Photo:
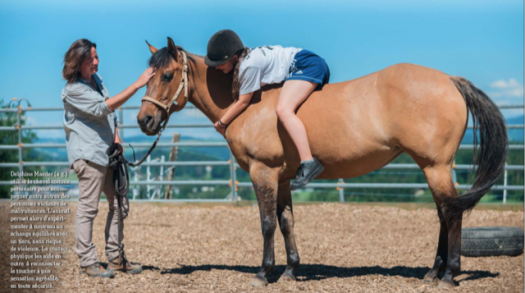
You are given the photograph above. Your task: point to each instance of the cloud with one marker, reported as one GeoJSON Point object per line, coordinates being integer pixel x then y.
{"type": "Point", "coordinates": [502, 84]}
{"type": "Point", "coordinates": [506, 89]}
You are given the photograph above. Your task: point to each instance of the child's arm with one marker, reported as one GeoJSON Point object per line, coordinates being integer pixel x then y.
{"type": "Point", "coordinates": [233, 111]}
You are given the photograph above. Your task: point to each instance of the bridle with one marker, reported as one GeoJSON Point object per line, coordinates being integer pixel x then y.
{"type": "Point", "coordinates": [183, 86]}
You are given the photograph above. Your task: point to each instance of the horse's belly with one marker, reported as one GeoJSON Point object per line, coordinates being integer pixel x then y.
{"type": "Point", "coordinates": [353, 153]}
{"type": "Point", "coordinates": [356, 163]}
{"type": "Point", "coordinates": [350, 137]}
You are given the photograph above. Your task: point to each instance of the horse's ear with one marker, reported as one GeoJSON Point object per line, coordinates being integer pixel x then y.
{"type": "Point", "coordinates": [151, 48]}
{"type": "Point", "coordinates": [172, 49]}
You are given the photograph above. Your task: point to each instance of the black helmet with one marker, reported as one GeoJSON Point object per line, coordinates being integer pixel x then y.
{"type": "Point", "coordinates": [222, 46]}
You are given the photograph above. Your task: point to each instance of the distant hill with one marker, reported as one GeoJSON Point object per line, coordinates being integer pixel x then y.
{"type": "Point", "coordinates": [515, 135]}
{"type": "Point", "coordinates": [223, 153]}
{"type": "Point", "coordinates": [515, 120]}
{"type": "Point", "coordinates": [220, 153]}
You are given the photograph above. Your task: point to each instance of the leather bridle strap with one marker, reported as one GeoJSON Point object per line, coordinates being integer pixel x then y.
{"type": "Point", "coordinates": [166, 108]}
{"type": "Point", "coordinates": [183, 85]}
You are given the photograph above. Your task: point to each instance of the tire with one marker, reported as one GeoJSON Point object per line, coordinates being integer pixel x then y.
{"type": "Point", "coordinates": [491, 241]}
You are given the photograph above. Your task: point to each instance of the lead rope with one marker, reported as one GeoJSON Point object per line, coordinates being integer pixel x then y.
{"type": "Point", "coordinates": [120, 165]}
{"type": "Point", "coordinates": [166, 108]}
{"type": "Point", "coordinates": [121, 183]}
{"type": "Point", "coordinates": [121, 253]}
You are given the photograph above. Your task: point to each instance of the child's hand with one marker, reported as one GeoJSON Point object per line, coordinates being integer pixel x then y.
{"type": "Point", "coordinates": [220, 129]}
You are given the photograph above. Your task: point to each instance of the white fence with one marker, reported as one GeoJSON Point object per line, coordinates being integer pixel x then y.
{"type": "Point", "coordinates": [154, 185]}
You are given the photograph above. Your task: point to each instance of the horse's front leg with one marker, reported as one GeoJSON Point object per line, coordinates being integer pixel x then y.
{"type": "Point", "coordinates": [265, 183]}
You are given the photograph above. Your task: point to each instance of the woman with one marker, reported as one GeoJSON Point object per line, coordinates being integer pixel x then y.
{"type": "Point", "coordinates": [89, 123]}
{"type": "Point", "coordinates": [302, 71]}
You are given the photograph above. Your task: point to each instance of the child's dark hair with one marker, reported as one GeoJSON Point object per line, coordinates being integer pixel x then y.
{"type": "Point", "coordinates": [235, 85]}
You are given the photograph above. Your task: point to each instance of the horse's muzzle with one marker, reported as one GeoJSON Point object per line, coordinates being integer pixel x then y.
{"type": "Point", "coordinates": [149, 125]}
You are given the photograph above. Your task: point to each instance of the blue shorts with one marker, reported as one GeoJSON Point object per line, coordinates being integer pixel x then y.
{"type": "Point", "coordinates": [310, 67]}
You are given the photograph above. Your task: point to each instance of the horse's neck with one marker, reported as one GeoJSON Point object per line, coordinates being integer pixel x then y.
{"type": "Point", "coordinates": [211, 91]}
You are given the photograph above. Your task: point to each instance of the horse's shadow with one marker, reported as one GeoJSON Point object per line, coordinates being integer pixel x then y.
{"type": "Point", "coordinates": [307, 272]}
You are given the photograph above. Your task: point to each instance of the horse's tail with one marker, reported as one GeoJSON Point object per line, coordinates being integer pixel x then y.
{"type": "Point", "coordinates": [493, 147]}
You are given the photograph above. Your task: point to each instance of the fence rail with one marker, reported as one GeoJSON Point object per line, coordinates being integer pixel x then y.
{"type": "Point", "coordinates": [233, 183]}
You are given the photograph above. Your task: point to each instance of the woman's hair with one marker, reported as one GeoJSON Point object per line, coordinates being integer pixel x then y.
{"type": "Point", "coordinates": [235, 85]}
{"type": "Point", "coordinates": [74, 58]}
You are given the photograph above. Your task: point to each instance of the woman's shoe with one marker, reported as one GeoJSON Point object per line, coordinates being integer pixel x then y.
{"type": "Point", "coordinates": [96, 270]}
{"type": "Point", "coordinates": [122, 264]}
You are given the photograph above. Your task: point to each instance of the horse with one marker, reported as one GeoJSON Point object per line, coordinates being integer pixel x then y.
{"type": "Point", "coordinates": [354, 127]}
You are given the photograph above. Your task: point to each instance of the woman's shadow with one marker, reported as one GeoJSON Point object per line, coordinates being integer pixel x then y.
{"type": "Point", "coordinates": [307, 272]}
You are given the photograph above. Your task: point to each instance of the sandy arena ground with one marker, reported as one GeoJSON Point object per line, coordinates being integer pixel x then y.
{"type": "Point", "coordinates": [343, 248]}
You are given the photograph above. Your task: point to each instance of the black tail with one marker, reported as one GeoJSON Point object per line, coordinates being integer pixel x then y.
{"type": "Point", "coordinates": [493, 146]}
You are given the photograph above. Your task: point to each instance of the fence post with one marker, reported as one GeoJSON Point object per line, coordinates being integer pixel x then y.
{"type": "Point", "coordinates": [120, 123]}
{"type": "Point", "coordinates": [20, 160]}
{"type": "Point", "coordinates": [136, 179]}
{"type": "Point", "coordinates": [341, 191]}
{"type": "Point", "coordinates": [148, 178]}
{"type": "Point", "coordinates": [233, 177]}
{"type": "Point", "coordinates": [454, 175]}
{"type": "Point", "coordinates": [171, 171]}
{"type": "Point", "coordinates": [505, 176]}
{"type": "Point", "coordinates": [161, 177]}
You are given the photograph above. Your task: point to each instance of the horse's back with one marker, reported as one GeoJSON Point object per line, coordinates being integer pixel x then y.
{"type": "Point", "coordinates": [357, 126]}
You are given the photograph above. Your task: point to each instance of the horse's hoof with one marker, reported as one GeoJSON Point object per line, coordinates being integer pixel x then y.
{"type": "Point", "coordinates": [259, 281]}
{"type": "Point", "coordinates": [447, 285]}
{"type": "Point", "coordinates": [430, 279]}
{"type": "Point", "coordinates": [285, 277]}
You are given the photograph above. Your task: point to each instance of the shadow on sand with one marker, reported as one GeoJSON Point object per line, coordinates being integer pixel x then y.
{"type": "Point", "coordinates": [307, 272]}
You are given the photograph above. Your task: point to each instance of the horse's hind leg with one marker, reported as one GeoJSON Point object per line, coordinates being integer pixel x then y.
{"type": "Point", "coordinates": [449, 248]}
{"type": "Point", "coordinates": [286, 222]}
{"type": "Point", "coordinates": [265, 183]}
{"type": "Point", "coordinates": [440, 262]}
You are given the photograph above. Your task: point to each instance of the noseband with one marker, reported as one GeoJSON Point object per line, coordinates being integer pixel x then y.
{"type": "Point", "coordinates": [183, 85]}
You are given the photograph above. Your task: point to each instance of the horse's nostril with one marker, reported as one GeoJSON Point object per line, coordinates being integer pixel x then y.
{"type": "Point", "coordinates": [148, 121]}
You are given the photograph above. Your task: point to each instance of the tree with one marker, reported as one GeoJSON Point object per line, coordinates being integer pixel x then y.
{"type": "Point", "coordinates": [11, 138]}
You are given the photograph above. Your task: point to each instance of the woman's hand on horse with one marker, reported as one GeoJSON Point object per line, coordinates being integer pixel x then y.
{"type": "Point", "coordinates": [220, 129]}
{"type": "Point", "coordinates": [145, 77]}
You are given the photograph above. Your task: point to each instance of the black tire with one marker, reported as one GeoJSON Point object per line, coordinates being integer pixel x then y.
{"type": "Point", "coordinates": [491, 241]}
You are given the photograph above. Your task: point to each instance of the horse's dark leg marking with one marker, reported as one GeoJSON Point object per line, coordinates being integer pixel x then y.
{"type": "Point", "coordinates": [286, 222]}
{"type": "Point", "coordinates": [440, 262]}
{"type": "Point", "coordinates": [454, 251]}
{"type": "Point", "coordinates": [449, 248]}
{"type": "Point", "coordinates": [265, 184]}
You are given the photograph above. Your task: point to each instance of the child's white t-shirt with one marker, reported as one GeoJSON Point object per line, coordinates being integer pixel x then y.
{"type": "Point", "coordinates": [264, 65]}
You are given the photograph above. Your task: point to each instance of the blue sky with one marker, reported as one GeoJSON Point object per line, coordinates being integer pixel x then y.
{"type": "Point", "coordinates": [479, 40]}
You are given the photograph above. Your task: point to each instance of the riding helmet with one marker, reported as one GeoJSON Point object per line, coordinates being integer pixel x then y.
{"type": "Point", "coordinates": [222, 46]}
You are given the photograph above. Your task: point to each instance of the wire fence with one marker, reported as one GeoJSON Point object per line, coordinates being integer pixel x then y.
{"type": "Point", "coordinates": [153, 187]}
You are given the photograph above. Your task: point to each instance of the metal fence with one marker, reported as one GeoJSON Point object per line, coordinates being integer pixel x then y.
{"type": "Point", "coordinates": [232, 182]}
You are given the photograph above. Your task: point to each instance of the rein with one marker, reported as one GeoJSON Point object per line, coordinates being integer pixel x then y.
{"type": "Point", "coordinates": [120, 165]}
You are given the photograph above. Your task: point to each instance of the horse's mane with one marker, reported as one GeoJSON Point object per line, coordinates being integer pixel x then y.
{"type": "Point", "coordinates": [162, 58]}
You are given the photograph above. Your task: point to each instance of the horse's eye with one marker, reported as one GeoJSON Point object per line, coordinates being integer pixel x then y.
{"type": "Point", "coordinates": [167, 77]}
